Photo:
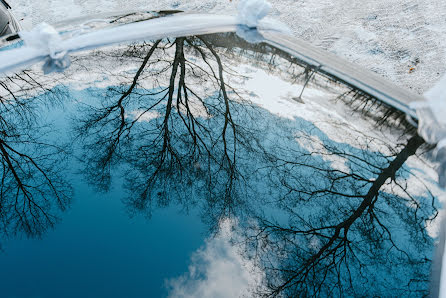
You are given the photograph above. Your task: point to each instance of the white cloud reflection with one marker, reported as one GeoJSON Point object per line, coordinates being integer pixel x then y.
{"type": "Point", "coordinates": [218, 269]}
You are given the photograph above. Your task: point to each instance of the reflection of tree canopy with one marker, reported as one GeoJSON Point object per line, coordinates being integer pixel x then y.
{"type": "Point", "coordinates": [31, 189]}
{"type": "Point", "coordinates": [186, 134]}
{"type": "Point", "coordinates": [323, 217]}
{"type": "Point", "coordinates": [172, 122]}
{"type": "Point", "coordinates": [345, 228]}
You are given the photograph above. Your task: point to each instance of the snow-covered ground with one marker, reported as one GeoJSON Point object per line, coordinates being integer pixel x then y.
{"type": "Point", "coordinates": [403, 40]}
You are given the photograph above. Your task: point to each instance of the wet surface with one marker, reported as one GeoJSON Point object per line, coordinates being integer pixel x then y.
{"type": "Point", "coordinates": [175, 166]}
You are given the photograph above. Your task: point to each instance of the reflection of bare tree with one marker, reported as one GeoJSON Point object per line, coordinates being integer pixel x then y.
{"type": "Point", "coordinates": [31, 189]}
{"type": "Point", "coordinates": [329, 249]}
{"type": "Point", "coordinates": [159, 124]}
{"type": "Point", "coordinates": [181, 132]}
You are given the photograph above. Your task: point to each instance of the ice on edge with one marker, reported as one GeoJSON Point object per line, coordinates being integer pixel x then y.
{"type": "Point", "coordinates": [47, 41]}
{"type": "Point", "coordinates": [45, 38]}
{"type": "Point", "coordinates": [432, 123]}
{"type": "Point", "coordinates": [250, 12]}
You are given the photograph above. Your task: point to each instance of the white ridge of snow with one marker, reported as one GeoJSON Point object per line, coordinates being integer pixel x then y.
{"type": "Point", "coordinates": [402, 40]}
{"type": "Point", "coordinates": [432, 123]}
{"type": "Point", "coordinates": [44, 41]}
{"type": "Point", "coordinates": [250, 12]}
{"type": "Point", "coordinates": [44, 38]}
{"type": "Point", "coordinates": [249, 15]}
{"type": "Point", "coordinates": [436, 104]}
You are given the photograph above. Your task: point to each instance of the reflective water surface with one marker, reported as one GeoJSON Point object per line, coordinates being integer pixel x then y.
{"type": "Point", "coordinates": [206, 166]}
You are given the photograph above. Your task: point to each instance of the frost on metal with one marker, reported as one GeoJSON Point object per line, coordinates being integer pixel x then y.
{"type": "Point", "coordinates": [432, 123]}
{"type": "Point", "coordinates": [47, 41]}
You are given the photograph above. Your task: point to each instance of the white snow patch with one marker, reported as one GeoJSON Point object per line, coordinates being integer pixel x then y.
{"type": "Point", "coordinates": [278, 96]}
{"type": "Point", "coordinates": [250, 12]}
{"type": "Point", "coordinates": [45, 38]}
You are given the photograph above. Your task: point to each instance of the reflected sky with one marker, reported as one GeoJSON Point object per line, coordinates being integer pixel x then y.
{"type": "Point", "coordinates": [181, 165]}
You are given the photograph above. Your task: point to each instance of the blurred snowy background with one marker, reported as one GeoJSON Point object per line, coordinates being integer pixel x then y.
{"type": "Point", "coordinates": [404, 41]}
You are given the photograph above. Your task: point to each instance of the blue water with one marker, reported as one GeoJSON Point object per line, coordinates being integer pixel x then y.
{"type": "Point", "coordinates": [98, 249]}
